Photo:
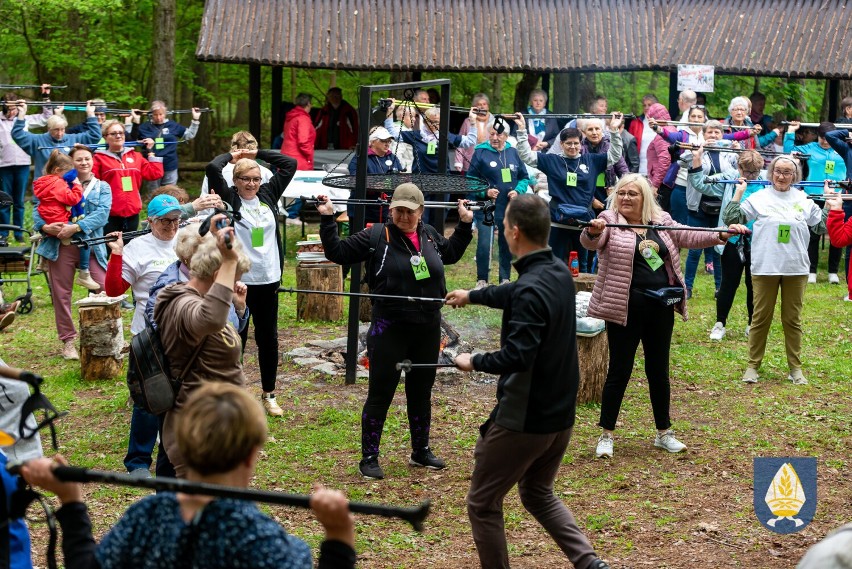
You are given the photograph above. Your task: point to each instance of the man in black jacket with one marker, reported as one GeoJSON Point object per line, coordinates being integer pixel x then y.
{"type": "Point", "coordinates": [536, 392]}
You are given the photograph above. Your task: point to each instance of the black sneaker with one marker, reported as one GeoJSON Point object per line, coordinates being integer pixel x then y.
{"type": "Point", "coordinates": [424, 457]}
{"type": "Point", "coordinates": [369, 467]}
{"type": "Point", "coordinates": [599, 564]}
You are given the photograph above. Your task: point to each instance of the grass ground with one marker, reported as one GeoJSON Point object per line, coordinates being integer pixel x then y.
{"type": "Point", "coordinates": [644, 508]}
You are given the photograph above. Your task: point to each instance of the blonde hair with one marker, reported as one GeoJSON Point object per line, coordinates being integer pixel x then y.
{"type": "Point", "coordinates": [207, 259]}
{"type": "Point", "coordinates": [244, 165]}
{"type": "Point", "coordinates": [770, 171]}
{"type": "Point", "coordinates": [56, 121]}
{"type": "Point", "coordinates": [187, 242]}
{"type": "Point", "coordinates": [108, 124]}
{"type": "Point", "coordinates": [243, 140]}
{"type": "Point", "coordinates": [58, 160]}
{"type": "Point", "coordinates": [651, 210]}
{"type": "Point", "coordinates": [173, 190]}
{"type": "Point", "coordinates": [219, 427]}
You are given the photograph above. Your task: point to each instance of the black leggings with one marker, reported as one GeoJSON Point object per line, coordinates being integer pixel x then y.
{"type": "Point", "coordinates": [732, 271]}
{"type": "Point", "coordinates": [262, 301]}
{"type": "Point", "coordinates": [387, 344]}
{"type": "Point", "coordinates": [834, 254]}
{"type": "Point", "coordinates": [652, 324]}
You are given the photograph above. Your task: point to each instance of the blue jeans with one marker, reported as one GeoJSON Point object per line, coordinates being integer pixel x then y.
{"type": "Point", "coordinates": [143, 436]}
{"type": "Point", "coordinates": [677, 204]}
{"type": "Point", "coordinates": [484, 241]}
{"type": "Point", "coordinates": [13, 181]}
{"type": "Point", "coordinates": [700, 219]}
{"type": "Point", "coordinates": [562, 241]}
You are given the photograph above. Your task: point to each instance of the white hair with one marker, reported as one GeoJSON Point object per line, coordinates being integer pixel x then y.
{"type": "Point", "coordinates": [739, 102]}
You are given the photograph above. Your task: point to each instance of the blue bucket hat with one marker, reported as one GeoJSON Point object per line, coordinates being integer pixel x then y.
{"type": "Point", "coordinates": [162, 205]}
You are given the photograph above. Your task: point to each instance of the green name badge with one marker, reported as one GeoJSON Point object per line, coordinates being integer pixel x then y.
{"type": "Point", "coordinates": [256, 237]}
{"type": "Point", "coordinates": [571, 179]}
{"type": "Point", "coordinates": [601, 180]}
{"type": "Point", "coordinates": [829, 166]}
{"type": "Point", "coordinates": [421, 270]}
{"type": "Point", "coordinates": [507, 175]}
{"type": "Point", "coordinates": [431, 147]}
{"type": "Point", "coordinates": [159, 143]}
{"type": "Point", "coordinates": [783, 233]}
{"type": "Point", "coordinates": [653, 259]}
{"type": "Point", "coordinates": [126, 184]}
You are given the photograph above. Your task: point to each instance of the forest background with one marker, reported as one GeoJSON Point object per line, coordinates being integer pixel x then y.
{"type": "Point", "coordinates": [133, 52]}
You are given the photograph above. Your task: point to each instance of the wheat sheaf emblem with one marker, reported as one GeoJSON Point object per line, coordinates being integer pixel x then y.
{"type": "Point", "coordinates": [785, 496]}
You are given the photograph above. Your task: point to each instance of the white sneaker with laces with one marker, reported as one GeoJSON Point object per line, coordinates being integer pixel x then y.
{"type": "Point", "coordinates": [797, 377]}
{"type": "Point", "coordinates": [812, 278]}
{"type": "Point", "coordinates": [833, 278]}
{"type": "Point", "coordinates": [718, 331]}
{"type": "Point", "coordinates": [480, 284]}
{"type": "Point", "coordinates": [668, 442]}
{"type": "Point", "coordinates": [271, 405]}
{"type": "Point", "coordinates": [604, 448]}
{"type": "Point", "coordinates": [750, 375]}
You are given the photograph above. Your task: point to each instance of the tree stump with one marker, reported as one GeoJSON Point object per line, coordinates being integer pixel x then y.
{"type": "Point", "coordinates": [593, 354]}
{"type": "Point", "coordinates": [585, 282]}
{"type": "Point", "coordinates": [101, 341]}
{"type": "Point", "coordinates": [323, 276]}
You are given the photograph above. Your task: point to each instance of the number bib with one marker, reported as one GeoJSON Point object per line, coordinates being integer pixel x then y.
{"type": "Point", "coordinates": [571, 179]}
{"type": "Point", "coordinates": [159, 143]}
{"type": "Point", "coordinates": [431, 147]}
{"type": "Point", "coordinates": [783, 233]}
{"type": "Point", "coordinates": [652, 258]}
{"type": "Point", "coordinates": [507, 175]}
{"type": "Point", "coordinates": [256, 237]}
{"type": "Point", "coordinates": [126, 184]}
{"type": "Point", "coordinates": [421, 270]}
{"type": "Point", "coordinates": [829, 166]}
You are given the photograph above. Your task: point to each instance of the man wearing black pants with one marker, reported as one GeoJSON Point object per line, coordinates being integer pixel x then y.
{"type": "Point", "coordinates": [536, 392]}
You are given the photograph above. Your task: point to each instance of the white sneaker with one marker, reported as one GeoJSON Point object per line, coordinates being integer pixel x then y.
{"type": "Point", "coordinates": [747, 329]}
{"type": "Point", "coordinates": [833, 278]}
{"type": "Point", "coordinates": [480, 284]}
{"type": "Point", "coordinates": [847, 299]}
{"type": "Point", "coordinates": [604, 448]}
{"type": "Point", "coordinates": [797, 377]}
{"type": "Point", "coordinates": [271, 406]}
{"type": "Point", "coordinates": [750, 375]}
{"type": "Point", "coordinates": [718, 331]}
{"type": "Point", "coordinates": [505, 281]}
{"type": "Point", "coordinates": [812, 278]}
{"type": "Point", "coordinates": [668, 441]}
{"type": "Point", "coordinates": [69, 352]}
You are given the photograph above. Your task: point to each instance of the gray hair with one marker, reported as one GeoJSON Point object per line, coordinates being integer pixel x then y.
{"type": "Point", "coordinates": [158, 105]}
{"type": "Point", "coordinates": [207, 259]}
{"type": "Point", "coordinates": [56, 121]}
{"type": "Point", "coordinates": [739, 102]}
{"type": "Point", "coordinates": [688, 96]}
{"type": "Point", "coordinates": [480, 97]}
{"type": "Point", "coordinates": [770, 171]}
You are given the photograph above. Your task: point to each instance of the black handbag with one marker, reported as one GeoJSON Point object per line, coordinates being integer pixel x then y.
{"type": "Point", "coordinates": [666, 296]}
{"type": "Point", "coordinates": [710, 206]}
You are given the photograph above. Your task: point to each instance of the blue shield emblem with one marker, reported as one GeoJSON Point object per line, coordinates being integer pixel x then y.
{"type": "Point", "coordinates": [785, 493]}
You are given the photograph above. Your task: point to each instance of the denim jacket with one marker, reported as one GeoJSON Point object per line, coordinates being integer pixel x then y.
{"type": "Point", "coordinates": [98, 204]}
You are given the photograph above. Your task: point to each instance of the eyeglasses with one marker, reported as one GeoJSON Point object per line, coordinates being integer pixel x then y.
{"type": "Point", "coordinates": [739, 110]}
{"type": "Point", "coordinates": [175, 221]}
{"type": "Point", "coordinates": [631, 195]}
{"type": "Point", "coordinates": [785, 173]}
{"type": "Point", "coordinates": [250, 180]}
{"type": "Point", "coordinates": [570, 144]}
{"type": "Point", "coordinates": [702, 107]}
{"type": "Point", "coordinates": [116, 133]}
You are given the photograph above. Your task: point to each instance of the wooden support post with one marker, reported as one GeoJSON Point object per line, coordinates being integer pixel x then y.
{"type": "Point", "coordinates": [101, 341]}
{"type": "Point", "coordinates": [325, 276]}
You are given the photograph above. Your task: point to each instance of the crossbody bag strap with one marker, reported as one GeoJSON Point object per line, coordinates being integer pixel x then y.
{"type": "Point", "coordinates": [193, 358]}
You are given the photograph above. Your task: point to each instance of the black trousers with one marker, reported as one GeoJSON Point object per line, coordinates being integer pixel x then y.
{"type": "Point", "coordinates": [834, 254]}
{"type": "Point", "coordinates": [262, 301]}
{"type": "Point", "coordinates": [388, 343]}
{"type": "Point", "coordinates": [123, 224]}
{"type": "Point", "coordinates": [650, 323]}
{"type": "Point", "coordinates": [732, 272]}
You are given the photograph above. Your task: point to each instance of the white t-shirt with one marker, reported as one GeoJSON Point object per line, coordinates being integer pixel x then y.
{"type": "Point", "coordinates": [779, 243]}
{"type": "Point", "coordinates": [648, 135]}
{"type": "Point", "coordinates": [142, 261]}
{"type": "Point", "coordinates": [256, 231]}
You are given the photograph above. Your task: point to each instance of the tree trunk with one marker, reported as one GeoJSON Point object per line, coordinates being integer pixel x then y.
{"type": "Point", "coordinates": [163, 57]}
{"type": "Point", "coordinates": [572, 91]}
{"type": "Point", "coordinates": [528, 82]}
{"type": "Point", "coordinates": [101, 341]}
{"type": "Point", "coordinates": [202, 149]}
{"type": "Point", "coordinates": [327, 277]}
{"type": "Point", "coordinates": [593, 355]}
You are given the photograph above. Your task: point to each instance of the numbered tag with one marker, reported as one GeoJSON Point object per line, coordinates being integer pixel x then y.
{"type": "Point", "coordinates": [421, 270]}
{"type": "Point", "coordinates": [159, 143]}
{"type": "Point", "coordinates": [829, 166]}
{"type": "Point", "coordinates": [783, 233]}
{"type": "Point", "coordinates": [256, 237]}
{"type": "Point", "coordinates": [571, 179]}
{"type": "Point", "coordinates": [601, 180]}
{"type": "Point", "coordinates": [126, 184]}
{"type": "Point", "coordinates": [653, 259]}
{"type": "Point", "coordinates": [431, 147]}
{"type": "Point", "coordinates": [507, 175]}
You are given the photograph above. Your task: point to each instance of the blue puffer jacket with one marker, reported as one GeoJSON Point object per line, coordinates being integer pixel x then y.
{"type": "Point", "coordinates": [98, 205]}
{"type": "Point", "coordinates": [30, 143]}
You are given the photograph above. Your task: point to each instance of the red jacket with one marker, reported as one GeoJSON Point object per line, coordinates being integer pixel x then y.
{"type": "Point", "coordinates": [299, 137]}
{"type": "Point", "coordinates": [839, 233]}
{"type": "Point", "coordinates": [348, 121]}
{"type": "Point", "coordinates": [56, 198]}
{"type": "Point", "coordinates": [125, 177]}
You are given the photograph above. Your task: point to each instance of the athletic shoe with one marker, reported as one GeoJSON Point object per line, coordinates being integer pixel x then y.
{"type": "Point", "coordinates": [271, 406]}
{"type": "Point", "coordinates": [833, 278]}
{"type": "Point", "coordinates": [797, 377]}
{"type": "Point", "coordinates": [604, 448]}
{"type": "Point", "coordinates": [125, 305]}
{"type": "Point", "coordinates": [69, 352]}
{"type": "Point", "coordinates": [688, 293]}
{"type": "Point", "coordinates": [708, 268]}
{"type": "Point", "coordinates": [599, 564]}
{"type": "Point", "coordinates": [750, 375]}
{"type": "Point", "coordinates": [718, 331]}
{"type": "Point", "coordinates": [668, 441]}
{"type": "Point", "coordinates": [812, 278]}
{"type": "Point", "coordinates": [9, 306]}
{"type": "Point", "coordinates": [7, 319]}
{"type": "Point", "coordinates": [480, 284]}
{"type": "Point", "coordinates": [505, 281]}
{"type": "Point", "coordinates": [369, 468]}
{"type": "Point", "coordinates": [424, 457]}
{"type": "Point", "coordinates": [747, 330]}
{"type": "Point", "coordinates": [141, 473]}
{"type": "Point", "coordinates": [85, 279]}
{"type": "Point", "coordinates": [847, 299]}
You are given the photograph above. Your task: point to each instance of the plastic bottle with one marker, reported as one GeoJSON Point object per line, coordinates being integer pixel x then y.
{"type": "Point", "coordinates": [574, 263]}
